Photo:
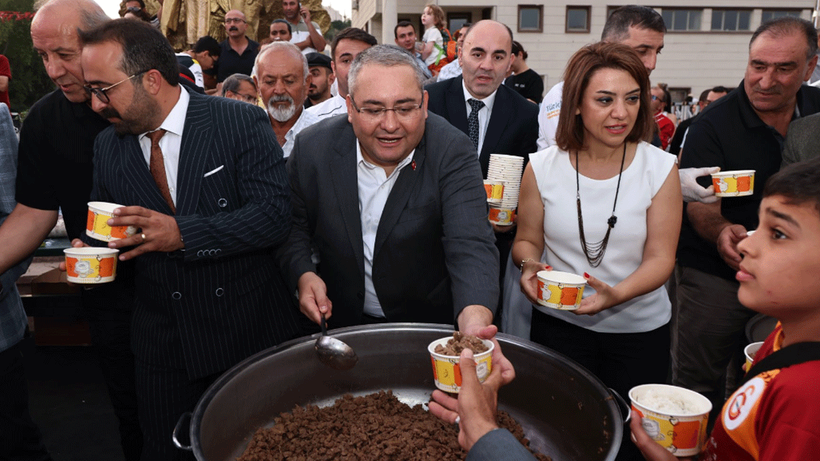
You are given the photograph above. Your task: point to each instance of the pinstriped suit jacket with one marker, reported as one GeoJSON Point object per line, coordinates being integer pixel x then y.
{"type": "Point", "coordinates": [434, 252]}
{"type": "Point", "coordinates": [222, 299]}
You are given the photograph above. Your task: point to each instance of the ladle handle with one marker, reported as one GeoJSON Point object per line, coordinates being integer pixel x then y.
{"type": "Point", "coordinates": [324, 325]}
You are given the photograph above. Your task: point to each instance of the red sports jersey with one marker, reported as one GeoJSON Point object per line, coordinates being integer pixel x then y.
{"type": "Point", "coordinates": [773, 416]}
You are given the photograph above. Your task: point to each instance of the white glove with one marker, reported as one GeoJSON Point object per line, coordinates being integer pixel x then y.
{"type": "Point", "coordinates": [692, 191]}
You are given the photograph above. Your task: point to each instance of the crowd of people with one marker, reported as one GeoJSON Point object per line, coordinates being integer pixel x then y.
{"type": "Point", "coordinates": [254, 172]}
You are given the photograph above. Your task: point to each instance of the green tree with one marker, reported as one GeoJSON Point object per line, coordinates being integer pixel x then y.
{"type": "Point", "coordinates": [336, 27]}
{"type": "Point", "coordinates": [29, 81]}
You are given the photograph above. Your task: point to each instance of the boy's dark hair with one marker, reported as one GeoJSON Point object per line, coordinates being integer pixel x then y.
{"type": "Point", "coordinates": [209, 44]}
{"type": "Point", "coordinates": [799, 183]}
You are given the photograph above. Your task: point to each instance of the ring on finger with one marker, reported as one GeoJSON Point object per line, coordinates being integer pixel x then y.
{"type": "Point", "coordinates": [143, 238]}
{"type": "Point", "coordinates": [458, 420]}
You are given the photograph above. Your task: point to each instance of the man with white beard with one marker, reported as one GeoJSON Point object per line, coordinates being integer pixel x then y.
{"type": "Point", "coordinates": [283, 78]}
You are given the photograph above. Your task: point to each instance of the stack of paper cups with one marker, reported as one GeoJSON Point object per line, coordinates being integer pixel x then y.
{"type": "Point", "coordinates": [507, 168]}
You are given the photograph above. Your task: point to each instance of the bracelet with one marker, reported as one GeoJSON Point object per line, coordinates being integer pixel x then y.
{"type": "Point", "coordinates": [524, 262]}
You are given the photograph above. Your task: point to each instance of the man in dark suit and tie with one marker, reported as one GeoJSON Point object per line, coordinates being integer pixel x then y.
{"type": "Point", "coordinates": [497, 119]}
{"type": "Point", "coordinates": [393, 202]}
{"type": "Point", "coordinates": [204, 180]}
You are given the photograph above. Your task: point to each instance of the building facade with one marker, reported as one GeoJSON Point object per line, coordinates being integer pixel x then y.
{"type": "Point", "coordinates": [706, 44]}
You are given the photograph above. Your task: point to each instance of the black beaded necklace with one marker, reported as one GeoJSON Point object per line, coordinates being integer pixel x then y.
{"type": "Point", "coordinates": [595, 251]}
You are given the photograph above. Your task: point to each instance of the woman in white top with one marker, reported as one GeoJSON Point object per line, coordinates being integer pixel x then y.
{"type": "Point", "coordinates": [607, 205]}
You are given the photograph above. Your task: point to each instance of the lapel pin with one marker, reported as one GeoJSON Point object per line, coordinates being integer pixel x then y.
{"type": "Point", "coordinates": [413, 165]}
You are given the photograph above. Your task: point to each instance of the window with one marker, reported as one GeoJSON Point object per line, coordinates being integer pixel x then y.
{"type": "Point", "coordinates": [529, 18]}
{"type": "Point", "coordinates": [577, 19]}
{"type": "Point", "coordinates": [456, 20]}
{"type": "Point", "coordinates": [731, 19]}
{"type": "Point", "coordinates": [681, 19]}
{"type": "Point", "coordinates": [774, 14]}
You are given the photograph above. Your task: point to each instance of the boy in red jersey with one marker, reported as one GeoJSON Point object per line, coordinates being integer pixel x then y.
{"type": "Point", "coordinates": [774, 415]}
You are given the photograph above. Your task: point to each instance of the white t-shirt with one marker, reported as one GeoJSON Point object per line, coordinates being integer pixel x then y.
{"type": "Point", "coordinates": [641, 180]}
{"type": "Point", "coordinates": [548, 114]}
{"type": "Point", "coordinates": [432, 35]}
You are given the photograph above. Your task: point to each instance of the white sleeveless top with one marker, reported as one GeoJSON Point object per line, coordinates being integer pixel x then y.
{"type": "Point", "coordinates": [640, 182]}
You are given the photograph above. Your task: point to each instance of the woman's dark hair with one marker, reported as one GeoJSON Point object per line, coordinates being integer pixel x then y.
{"type": "Point", "coordinates": [580, 69]}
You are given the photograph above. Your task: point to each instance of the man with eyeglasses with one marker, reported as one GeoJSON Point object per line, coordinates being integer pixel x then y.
{"type": "Point", "coordinates": [392, 199]}
{"type": "Point", "coordinates": [282, 77]}
{"type": "Point", "coordinates": [54, 175]}
{"type": "Point", "coordinates": [238, 51]}
{"type": "Point", "coordinates": [204, 180]}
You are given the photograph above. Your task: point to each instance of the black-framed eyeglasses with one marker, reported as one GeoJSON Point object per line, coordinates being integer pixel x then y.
{"type": "Point", "coordinates": [402, 111]}
{"type": "Point", "coordinates": [230, 20]}
{"type": "Point", "coordinates": [102, 93]}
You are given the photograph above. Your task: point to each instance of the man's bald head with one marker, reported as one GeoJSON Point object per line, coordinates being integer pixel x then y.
{"type": "Point", "coordinates": [55, 36]}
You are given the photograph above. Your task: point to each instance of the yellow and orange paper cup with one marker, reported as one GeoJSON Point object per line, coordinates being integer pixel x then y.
{"type": "Point", "coordinates": [560, 290]}
{"type": "Point", "coordinates": [494, 190]}
{"type": "Point", "coordinates": [90, 265]}
{"type": "Point", "coordinates": [97, 224]}
{"type": "Point", "coordinates": [672, 416]}
{"type": "Point", "coordinates": [502, 216]}
{"type": "Point", "coordinates": [736, 183]}
{"type": "Point", "coordinates": [750, 351]}
{"type": "Point", "coordinates": [446, 370]}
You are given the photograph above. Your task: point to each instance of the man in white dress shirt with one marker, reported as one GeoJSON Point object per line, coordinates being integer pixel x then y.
{"type": "Point", "coordinates": [282, 77]}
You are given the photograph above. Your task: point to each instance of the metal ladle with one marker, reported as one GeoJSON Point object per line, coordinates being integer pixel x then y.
{"type": "Point", "coordinates": [333, 352]}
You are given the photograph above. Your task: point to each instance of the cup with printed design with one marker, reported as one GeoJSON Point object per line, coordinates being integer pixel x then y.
{"type": "Point", "coordinates": [97, 224]}
{"type": "Point", "coordinates": [91, 265]}
{"type": "Point", "coordinates": [494, 190]}
{"type": "Point", "coordinates": [446, 369]}
{"type": "Point", "coordinates": [750, 351]}
{"type": "Point", "coordinates": [560, 290]}
{"type": "Point", "coordinates": [672, 416]}
{"type": "Point", "coordinates": [736, 183]}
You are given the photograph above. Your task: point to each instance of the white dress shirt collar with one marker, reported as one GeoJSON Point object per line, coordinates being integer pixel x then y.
{"type": "Point", "coordinates": [171, 141]}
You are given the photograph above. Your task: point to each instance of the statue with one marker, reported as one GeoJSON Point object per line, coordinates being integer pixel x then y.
{"type": "Point", "coordinates": [185, 21]}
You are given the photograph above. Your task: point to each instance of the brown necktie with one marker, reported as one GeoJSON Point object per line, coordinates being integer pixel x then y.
{"type": "Point", "coordinates": [157, 166]}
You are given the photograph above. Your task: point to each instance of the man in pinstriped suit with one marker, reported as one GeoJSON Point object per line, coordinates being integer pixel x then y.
{"type": "Point", "coordinates": [208, 292]}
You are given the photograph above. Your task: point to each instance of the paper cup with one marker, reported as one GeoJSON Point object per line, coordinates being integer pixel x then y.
{"type": "Point", "coordinates": [502, 216]}
{"type": "Point", "coordinates": [680, 430]}
{"type": "Point", "coordinates": [560, 290]}
{"type": "Point", "coordinates": [750, 352]}
{"type": "Point", "coordinates": [446, 371]}
{"type": "Point", "coordinates": [494, 190]}
{"type": "Point", "coordinates": [91, 265]}
{"type": "Point", "coordinates": [97, 225]}
{"type": "Point", "coordinates": [734, 183]}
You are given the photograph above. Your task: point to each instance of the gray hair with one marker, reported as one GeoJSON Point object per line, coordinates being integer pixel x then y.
{"type": "Point", "coordinates": [233, 82]}
{"type": "Point", "coordinates": [282, 46]}
{"type": "Point", "coordinates": [383, 55]}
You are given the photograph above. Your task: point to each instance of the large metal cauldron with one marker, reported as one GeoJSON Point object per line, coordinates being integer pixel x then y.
{"type": "Point", "coordinates": [566, 412]}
